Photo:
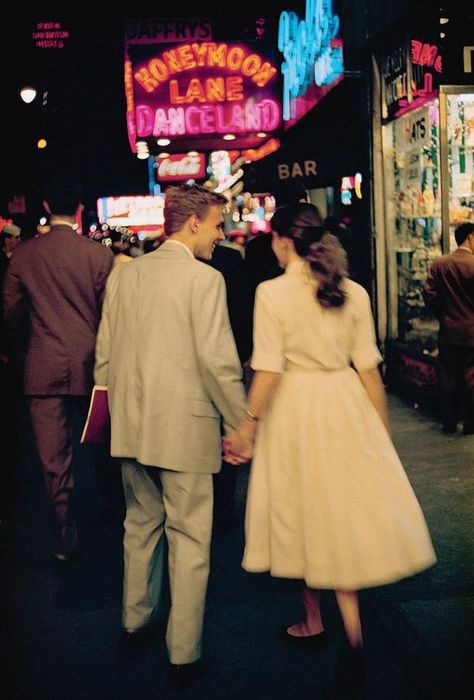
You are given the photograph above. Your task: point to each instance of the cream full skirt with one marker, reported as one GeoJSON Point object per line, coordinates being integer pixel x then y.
{"type": "Point", "coordinates": [329, 500]}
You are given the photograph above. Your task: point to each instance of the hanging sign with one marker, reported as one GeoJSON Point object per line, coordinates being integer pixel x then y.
{"type": "Point", "coordinates": [200, 90]}
{"type": "Point", "coordinates": [312, 57]}
{"type": "Point", "coordinates": [180, 166]}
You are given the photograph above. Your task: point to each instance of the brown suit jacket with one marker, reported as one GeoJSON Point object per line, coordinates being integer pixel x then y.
{"type": "Point", "coordinates": [449, 292]}
{"type": "Point", "coordinates": [52, 302]}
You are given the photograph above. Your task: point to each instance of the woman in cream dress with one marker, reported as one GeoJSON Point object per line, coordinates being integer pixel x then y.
{"type": "Point", "coordinates": [328, 501]}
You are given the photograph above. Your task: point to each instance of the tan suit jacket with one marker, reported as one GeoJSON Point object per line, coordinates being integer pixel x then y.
{"type": "Point", "coordinates": [166, 351]}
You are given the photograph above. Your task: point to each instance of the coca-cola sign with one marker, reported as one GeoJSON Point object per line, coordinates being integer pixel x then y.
{"type": "Point", "coordinates": [180, 166]}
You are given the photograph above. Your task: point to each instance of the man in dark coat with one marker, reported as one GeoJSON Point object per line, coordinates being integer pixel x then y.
{"type": "Point", "coordinates": [449, 292]}
{"type": "Point", "coordinates": [53, 290]}
{"type": "Point", "coordinates": [9, 239]}
{"type": "Point", "coordinates": [230, 264]}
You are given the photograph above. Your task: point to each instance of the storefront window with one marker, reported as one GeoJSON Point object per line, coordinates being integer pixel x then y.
{"type": "Point", "coordinates": [413, 223]}
{"type": "Point", "coordinates": [460, 136]}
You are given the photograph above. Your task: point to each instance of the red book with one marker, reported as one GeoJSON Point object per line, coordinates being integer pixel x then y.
{"type": "Point", "coordinates": [97, 426]}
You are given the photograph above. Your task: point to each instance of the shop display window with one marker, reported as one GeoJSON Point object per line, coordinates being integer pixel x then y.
{"type": "Point", "coordinates": [460, 140]}
{"type": "Point", "coordinates": [413, 221]}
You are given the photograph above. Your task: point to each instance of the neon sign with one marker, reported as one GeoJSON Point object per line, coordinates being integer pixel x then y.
{"type": "Point", "coordinates": [208, 119]}
{"type": "Point", "coordinates": [201, 89]}
{"type": "Point", "coordinates": [312, 55]}
{"type": "Point", "coordinates": [410, 76]}
{"type": "Point", "coordinates": [180, 167]}
{"type": "Point", "coordinates": [349, 184]}
{"type": "Point", "coordinates": [49, 35]}
{"type": "Point", "coordinates": [131, 211]}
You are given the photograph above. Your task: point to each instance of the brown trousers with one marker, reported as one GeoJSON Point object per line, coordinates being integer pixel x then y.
{"type": "Point", "coordinates": [456, 379]}
{"type": "Point", "coordinates": [54, 419]}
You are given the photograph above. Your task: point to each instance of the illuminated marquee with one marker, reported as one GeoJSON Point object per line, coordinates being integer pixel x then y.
{"type": "Point", "coordinates": [131, 211]}
{"type": "Point", "coordinates": [312, 53]}
{"type": "Point", "coordinates": [202, 89]}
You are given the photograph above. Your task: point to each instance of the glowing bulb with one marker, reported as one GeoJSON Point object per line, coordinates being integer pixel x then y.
{"type": "Point", "coordinates": [228, 137]}
{"type": "Point", "coordinates": [163, 142]}
{"type": "Point", "coordinates": [42, 143]}
{"type": "Point", "coordinates": [28, 94]}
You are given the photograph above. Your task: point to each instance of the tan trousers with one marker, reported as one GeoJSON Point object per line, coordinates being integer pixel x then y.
{"type": "Point", "coordinates": [180, 505]}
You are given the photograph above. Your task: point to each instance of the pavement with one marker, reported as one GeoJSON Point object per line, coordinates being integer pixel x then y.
{"type": "Point", "coordinates": [60, 628]}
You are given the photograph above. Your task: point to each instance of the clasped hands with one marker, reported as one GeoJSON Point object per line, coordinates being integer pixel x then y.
{"type": "Point", "coordinates": [237, 448]}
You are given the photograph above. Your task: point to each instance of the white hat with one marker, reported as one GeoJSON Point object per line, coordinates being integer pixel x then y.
{"type": "Point", "coordinates": [11, 230]}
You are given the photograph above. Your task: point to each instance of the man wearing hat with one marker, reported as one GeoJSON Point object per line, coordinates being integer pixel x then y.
{"type": "Point", "coordinates": [54, 286]}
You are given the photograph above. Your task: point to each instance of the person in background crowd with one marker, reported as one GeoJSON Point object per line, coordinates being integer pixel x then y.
{"type": "Point", "coordinates": [230, 264]}
{"type": "Point", "coordinates": [53, 288]}
{"type": "Point", "coordinates": [449, 292]}
{"type": "Point", "coordinates": [120, 247]}
{"type": "Point", "coordinates": [236, 240]}
{"type": "Point", "coordinates": [9, 239]}
{"type": "Point", "coordinates": [345, 236]}
{"type": "Point", "coordinates": [328, 500]}
{"type": "Point", "coordinates": [166, 351]}
{"type": "Point", "coordinates": [261, 262]}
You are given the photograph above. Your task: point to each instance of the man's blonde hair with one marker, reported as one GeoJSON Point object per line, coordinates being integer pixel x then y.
{"type": "Point", "coordinates": [186, 200]}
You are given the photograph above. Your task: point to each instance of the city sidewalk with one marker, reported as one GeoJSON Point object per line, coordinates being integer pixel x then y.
{"type": "Point", "coordinates": [60, 629]}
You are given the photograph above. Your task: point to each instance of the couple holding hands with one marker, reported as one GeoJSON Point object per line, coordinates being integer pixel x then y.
{"type": "Point", "coordinates": [328, 501]}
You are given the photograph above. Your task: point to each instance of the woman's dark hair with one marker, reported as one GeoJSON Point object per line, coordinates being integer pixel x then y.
{"type": "Point", "coordinates": [327, 259]}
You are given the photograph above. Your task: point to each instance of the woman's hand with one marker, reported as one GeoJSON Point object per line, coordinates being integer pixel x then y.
{"type": "Point", "coordinates": [237, 448]}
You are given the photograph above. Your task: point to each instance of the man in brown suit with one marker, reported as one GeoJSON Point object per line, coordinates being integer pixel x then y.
{"type": "Point", "coordinates": [52, 302]}
{"type": "Point", "coordinates": [449, 292]}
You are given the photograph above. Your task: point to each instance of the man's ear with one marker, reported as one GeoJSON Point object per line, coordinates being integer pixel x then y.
{"type": "Point", "coordinates": [193, 223]}
{"type": "Point", "coordinates": [46, 207]}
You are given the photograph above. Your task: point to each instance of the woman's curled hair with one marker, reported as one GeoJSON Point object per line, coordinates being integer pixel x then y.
{"type": "Point", "coordinates": [322, 250]}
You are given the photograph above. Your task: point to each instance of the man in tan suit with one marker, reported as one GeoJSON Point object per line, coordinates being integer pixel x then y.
{"type": "Point", "coordinates": [166, 351]}
{"type": "Point", "coordinates": [449, 291]}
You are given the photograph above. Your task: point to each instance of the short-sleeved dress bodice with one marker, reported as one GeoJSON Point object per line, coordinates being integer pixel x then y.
{"type": "Point", "coordinates": [328, 500]}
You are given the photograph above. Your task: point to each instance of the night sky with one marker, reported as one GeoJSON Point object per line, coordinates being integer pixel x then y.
{"type": "Point", "coordinates": [84, 115]}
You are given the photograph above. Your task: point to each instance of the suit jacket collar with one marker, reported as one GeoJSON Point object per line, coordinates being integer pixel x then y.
{"type": "Point", "coordinates": [176, 248]}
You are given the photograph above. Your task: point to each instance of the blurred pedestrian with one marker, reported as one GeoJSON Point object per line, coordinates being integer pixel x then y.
{"type": "Point", "coordinates": [328, 501]}
{"type": "Point", "coordinates": [345, 236]}
{"type": "Point", "coordinates": [236, 240]}
{"type": "Point", "coordinates": [9, 239]}
{"type": "Point", "coordinates": [166, 351]}
{"type": "Point", "coordinates": [449, 292]}
{"type": "Point", "coordinates": [52, 299]}
{"type": "Point", "coordinates": [230, 264]}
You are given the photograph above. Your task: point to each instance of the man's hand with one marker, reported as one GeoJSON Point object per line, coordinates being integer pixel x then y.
{"type": "Point", "coordinates": [237, 449]}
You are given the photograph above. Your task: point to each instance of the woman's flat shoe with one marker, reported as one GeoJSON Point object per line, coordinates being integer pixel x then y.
{"type": "Point", "coordinates": [313, 641]}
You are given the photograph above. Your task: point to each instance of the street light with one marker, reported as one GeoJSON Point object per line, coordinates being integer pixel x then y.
{"type": "Point", "coordinates": [28, 94]}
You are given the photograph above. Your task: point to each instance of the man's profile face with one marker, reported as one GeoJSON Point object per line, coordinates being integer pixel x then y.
{"type": "Point", "coordinates": [10, 243]}
{"type": "Point", "coordinates": [210, 232]}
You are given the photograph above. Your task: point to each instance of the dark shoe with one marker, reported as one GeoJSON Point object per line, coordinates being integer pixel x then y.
{"type": "Point", "coordinates": [181, 676]}
{"type": "Point", "coordinates": [136, 639]}
{"type": "Point", "coordinates": [349, 673]}
{"type": "Point", "coordinates": [449, 428]}
{"type": "Point", "coordinates": [313, 641]}
{"type": "Point", "coordinates": [468, 430]}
